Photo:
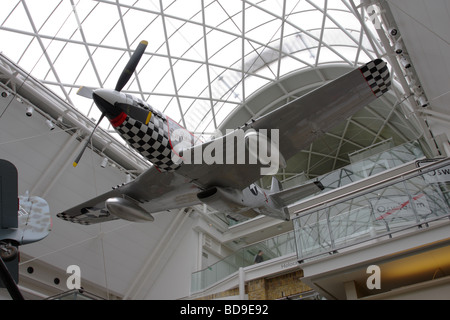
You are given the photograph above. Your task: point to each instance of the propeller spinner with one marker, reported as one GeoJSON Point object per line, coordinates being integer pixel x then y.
{"type": "Point", "coordinates": [123, 80]}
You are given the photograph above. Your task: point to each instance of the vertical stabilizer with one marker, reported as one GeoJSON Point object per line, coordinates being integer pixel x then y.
{"type": "Point", "coordinates": [276, 186]}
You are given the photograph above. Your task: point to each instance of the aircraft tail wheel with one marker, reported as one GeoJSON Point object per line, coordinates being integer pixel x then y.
{"type": "Point", "coordinates": [8, 252]}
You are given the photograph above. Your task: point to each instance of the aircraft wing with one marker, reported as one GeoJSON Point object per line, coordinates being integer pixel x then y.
{"type": "Point", "coordinates": [299, 123]}
{"type": "Point", "coordinates": [91, 211]}
{"type": "Point", "coordinates": [154, 191]}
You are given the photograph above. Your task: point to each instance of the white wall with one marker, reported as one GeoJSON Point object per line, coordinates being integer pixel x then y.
{"type": "Point", "coordinates": [174, 279]}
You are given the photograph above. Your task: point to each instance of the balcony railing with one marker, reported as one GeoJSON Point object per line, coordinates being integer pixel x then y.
{"type": "Point", "coordinates": [286, 243]}
{"type": "Point", "coordinates": [399, 204]}
{"type": "Point", "coordinates": [278, 246]}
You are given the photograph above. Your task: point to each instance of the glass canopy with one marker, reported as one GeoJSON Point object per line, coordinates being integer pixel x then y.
{"type": "Point", "coordinates": [204, 58]}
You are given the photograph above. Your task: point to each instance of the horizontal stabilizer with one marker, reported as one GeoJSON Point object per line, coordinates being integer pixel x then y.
{"type": "Point", "coordinates": [276, 186]}
{"type": "Point", "coordinates": [291, 195]}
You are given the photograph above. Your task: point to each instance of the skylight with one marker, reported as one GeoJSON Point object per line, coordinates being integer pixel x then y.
{"type": "Point", "coordinates": [204, 59]}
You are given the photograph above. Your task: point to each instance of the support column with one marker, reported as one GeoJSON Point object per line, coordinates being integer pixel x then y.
{"type": "Point", "coordinates": [200, 250]}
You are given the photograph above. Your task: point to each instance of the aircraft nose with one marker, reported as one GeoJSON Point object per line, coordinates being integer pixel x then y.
{"type": "Point", "coordinates": [106, 100]}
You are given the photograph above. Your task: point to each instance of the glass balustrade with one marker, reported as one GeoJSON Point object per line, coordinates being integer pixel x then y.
{"type": "Point", "coordinates": [278, 246]}
{"type": "Point", "coordinates": [364, 167]}
{"type": "Point", "coordinates": [401, 205]}
{"type": "Point", "coordinates": [333, 227]}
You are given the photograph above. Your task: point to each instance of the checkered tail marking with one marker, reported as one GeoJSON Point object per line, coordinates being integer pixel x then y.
{"type": "Point", "coordinates": [377, 76]}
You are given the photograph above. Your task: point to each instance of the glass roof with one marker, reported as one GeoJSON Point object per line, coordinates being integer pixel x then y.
{"type": "Point", "coordinates": [204, 58]}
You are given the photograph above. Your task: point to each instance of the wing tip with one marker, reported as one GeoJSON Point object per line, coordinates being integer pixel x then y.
{"type": "Point", "coordinates": [377, 76]}
{"type": "Point", "coordinates": [66, 217]}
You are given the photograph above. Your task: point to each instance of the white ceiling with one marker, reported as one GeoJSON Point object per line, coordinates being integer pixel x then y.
{"type": "Point", "coordinates": [424, 28]}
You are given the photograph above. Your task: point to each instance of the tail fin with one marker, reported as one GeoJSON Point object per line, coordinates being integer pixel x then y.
{"type": "Point", "coordinates": [276, 186]}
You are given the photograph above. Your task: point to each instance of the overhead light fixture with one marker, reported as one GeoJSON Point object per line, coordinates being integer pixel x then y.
{"type": "Point", "coordinates": [393, 31]}
{"type": "Point", "coordinates": [398, 48]}
{"type": "Point", "coordinates": [417, 90]}
{"type": "Point", "coordinates": [50, 124]}
{"type": "Point", "coordinates": [104, 162]}
{"type": "Point", "coordinates": [29, 111]}
{"type": "Point", "coordinates": [422, 101]}
{"type": "Point", "coordinates": [410, 79]}
{"type": "Point", "coordinates": [405, 62]}
{"type": "Point", "coordinates": [5, 94]}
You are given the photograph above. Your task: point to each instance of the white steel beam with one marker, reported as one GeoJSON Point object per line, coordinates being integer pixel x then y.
{"type": "Point", "coordinates": [44, 50]}
{"type": "Point", "coordinates": [152, 262]}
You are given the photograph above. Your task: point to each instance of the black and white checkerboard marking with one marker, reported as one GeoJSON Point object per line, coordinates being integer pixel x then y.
{"type": "Point", "coordinates": [150, 140]}
{"type": "Point", "coordinates": [73, 219]}
{"type": "Point", "coordinates": [87, 215]}
{"type": "Point", "coordinates": [377, 76]}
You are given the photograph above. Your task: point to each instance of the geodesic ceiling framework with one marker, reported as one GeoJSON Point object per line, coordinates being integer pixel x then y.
{"type": "Point", "coordinates": [205, 60]}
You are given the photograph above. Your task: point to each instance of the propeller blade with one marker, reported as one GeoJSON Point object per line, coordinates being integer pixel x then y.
{"type": "Point", "coordinates": [131, 66]}
{"type": "Point", "coordinates": [77, 160]}
{"type": "Point", "coordinates": [85, 92]}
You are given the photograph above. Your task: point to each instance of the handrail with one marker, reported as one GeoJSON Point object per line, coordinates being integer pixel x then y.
{"type": "Point", "coordinates": [408, 200]}
{"type": "Point", "coordinates": [232, 263]}
{"type": "Point", "coordinates": [247, 247]}
{"type": "Point", "coordinates": [306, 210]}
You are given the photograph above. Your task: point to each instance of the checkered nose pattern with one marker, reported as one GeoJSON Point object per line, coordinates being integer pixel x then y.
{"type": "Point", "coordinates": [377, 76]}
{"type": "Point", "coordinates": [150, 140]}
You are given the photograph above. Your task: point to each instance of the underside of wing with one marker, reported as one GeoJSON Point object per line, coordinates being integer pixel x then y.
{"type": "Point", "coordinates": [90, 212]}
{"type": "Point", "coordinates": [303, 120]}
{"type": "Point", "coordinates": [151, 192]}
{"type": "Point", "coordinates": [233, 173]}
{"type": "Point", "coordinates": [296, 124]}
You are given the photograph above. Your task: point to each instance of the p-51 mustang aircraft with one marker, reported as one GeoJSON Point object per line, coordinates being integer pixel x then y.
{"type": "Point", "coordinates": [226, 184]}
